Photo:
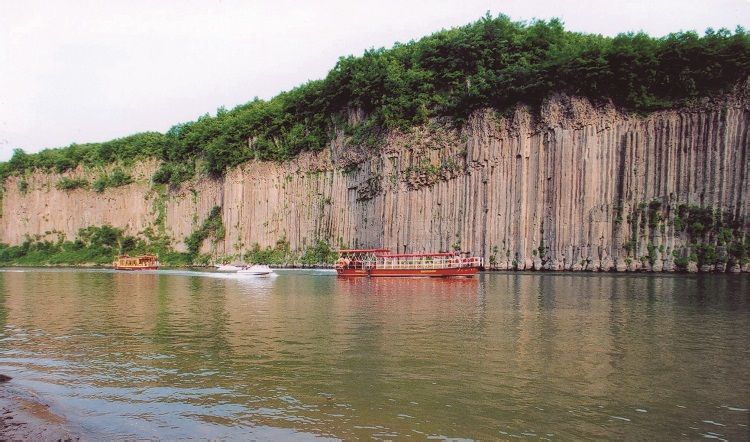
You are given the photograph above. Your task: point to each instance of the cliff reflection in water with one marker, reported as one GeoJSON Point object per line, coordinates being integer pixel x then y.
{"type": "Point", "coordinates": [177, 355]}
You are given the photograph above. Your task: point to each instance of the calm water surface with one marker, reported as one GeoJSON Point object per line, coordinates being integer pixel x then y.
{"type": "Point", "coordinates": [556, 356]}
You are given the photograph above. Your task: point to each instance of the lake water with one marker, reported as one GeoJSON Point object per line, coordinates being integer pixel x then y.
{"type": "Point", "coordinates": [544, 356]}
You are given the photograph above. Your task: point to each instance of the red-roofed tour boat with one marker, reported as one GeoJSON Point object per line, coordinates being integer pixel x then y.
{"type": "Point", "coordinates": [381, 262]}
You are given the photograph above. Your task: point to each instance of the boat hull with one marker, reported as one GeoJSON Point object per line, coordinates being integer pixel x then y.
{"type": "Point", "coordinates": [429, 273]}
{"type": "Point", "coordinates": [228, 268]}
{"type": "Point", "coordinates": [256, 270]}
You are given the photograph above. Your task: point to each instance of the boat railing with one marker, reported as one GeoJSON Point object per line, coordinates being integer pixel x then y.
{"type": "Point", "coordinates": [356, 265]}
{"type": "Point", "coordinates": [428, 263]}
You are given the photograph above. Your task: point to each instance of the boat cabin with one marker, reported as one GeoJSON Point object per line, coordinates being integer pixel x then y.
{"type": "Point", "coordinates": [381, 262]}
{"type": "Point", "coordinates": [358, 258]}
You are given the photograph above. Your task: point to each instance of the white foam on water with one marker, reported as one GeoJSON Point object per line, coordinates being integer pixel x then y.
{"type": "Point", "coordinates": [711, 436]}
{"type": "Point", "coordinates": [621, 418]}
{"type": "Point", "coordinates": [714, 423]}
{"type": "Point", "coordinates": [641, 410]}
{"type": "Point", "coordinates": [734, 408]}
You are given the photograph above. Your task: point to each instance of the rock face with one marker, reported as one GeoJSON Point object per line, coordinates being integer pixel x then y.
{"type": "Point", "coordinates": [571, 186]}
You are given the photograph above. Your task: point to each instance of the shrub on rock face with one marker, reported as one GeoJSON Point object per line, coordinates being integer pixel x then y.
{"type": "Point", "coordinates": [173, 173]}
{"type": "Point", "coordinates": [116, 178]}
{"type": "Point", "coordinates": [211, 227]}
{"type": "Point", "coordinates": [72, 183]}
{"type": "Point", "coordinates": [163, 174]}
{"type": "Point", "coordinates": [99, 184]}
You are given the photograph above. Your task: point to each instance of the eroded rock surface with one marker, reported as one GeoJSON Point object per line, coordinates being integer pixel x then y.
{"type": "Point", "coordinates": [572, 186]}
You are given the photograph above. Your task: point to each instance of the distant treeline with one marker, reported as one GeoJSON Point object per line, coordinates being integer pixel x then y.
{"type": "Point", "coordinates": [493, 62]}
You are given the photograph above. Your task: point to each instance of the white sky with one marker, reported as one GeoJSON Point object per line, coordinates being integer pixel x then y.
{"type": "Point", "coordinates": [80, 71]}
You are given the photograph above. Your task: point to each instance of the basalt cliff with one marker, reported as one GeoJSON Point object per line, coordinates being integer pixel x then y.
{"type": "Point", "coordinates": [573, 185]}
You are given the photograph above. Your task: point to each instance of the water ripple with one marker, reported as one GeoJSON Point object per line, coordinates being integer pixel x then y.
{"type": "Point", "coordinates": [176, 354]}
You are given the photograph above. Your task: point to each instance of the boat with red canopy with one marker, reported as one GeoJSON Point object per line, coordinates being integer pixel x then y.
{"type": "Point", "coordinates": [381, 262]}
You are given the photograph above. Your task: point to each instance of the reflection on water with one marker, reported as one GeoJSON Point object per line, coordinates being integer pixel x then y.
{"type": "Point", "coordinates": [181, 354]}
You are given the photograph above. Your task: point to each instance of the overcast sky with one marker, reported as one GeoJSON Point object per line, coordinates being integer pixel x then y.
{"type": "Point", "coordinates": [80, 71]}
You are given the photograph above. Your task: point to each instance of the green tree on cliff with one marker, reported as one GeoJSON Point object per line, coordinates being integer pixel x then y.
{"type": "Point", "coordinates": [492, 63]}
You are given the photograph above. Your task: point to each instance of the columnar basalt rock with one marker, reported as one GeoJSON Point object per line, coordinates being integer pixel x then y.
{"type": "Point", "coordinates": [570, 186]}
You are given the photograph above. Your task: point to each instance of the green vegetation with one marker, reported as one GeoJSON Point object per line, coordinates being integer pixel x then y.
{"type": "Point", "coordinates": [681, 259]}
{"type": "Point", "coordinates": [713, 237]}
{"type": "Point", "coordinates": [279, 254]}
{"type": "Point", "coordinates": [72, 183]}
{"type": "Point", "coordinates": [651, 253]}
{"type": "Point", "coordinates": [174, 173]}
{"type": "Point", "coordinates": [542, 249]}
{"type": "Point", "coordinates": [493, 62]}
{"type": "Point", "coordinates": [320, 253]}
{"type": "Point", "coordinates": [116, 178]}
{"type": "Point", "coordinates": [93, 245]}
{"type": "Point", "coordinates": [426, 173]}
{"type": "Point", "coordinates": [655, 216]}
{"type": "Point", "coordinates": [98, 245]}
{"type": "Point", "coordinates": [212, 227]}
{"type": "Point", "coordinates": [125, 150]}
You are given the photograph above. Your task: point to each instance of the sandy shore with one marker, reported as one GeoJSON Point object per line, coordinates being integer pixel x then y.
{"type": "Point", "coordinates": [24, 416]}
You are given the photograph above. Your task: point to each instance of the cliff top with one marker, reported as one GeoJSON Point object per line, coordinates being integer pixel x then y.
{"type": "Point", "coordinates": [492, 63]}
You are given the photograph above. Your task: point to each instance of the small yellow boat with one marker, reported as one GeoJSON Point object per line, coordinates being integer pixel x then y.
{"type": "Point", "coordinates": [143, 262]}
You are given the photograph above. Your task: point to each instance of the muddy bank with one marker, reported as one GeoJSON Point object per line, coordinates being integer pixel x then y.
{"type": "Point", "coordinates": [25, 416]}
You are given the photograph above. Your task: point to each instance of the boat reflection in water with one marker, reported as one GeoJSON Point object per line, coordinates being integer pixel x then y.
{"type": "Point", "coordinates": [414, 287]}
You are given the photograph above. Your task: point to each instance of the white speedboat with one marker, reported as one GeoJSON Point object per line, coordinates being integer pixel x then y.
{"type": "Point", "coordinates": [256, 270]}
{"type": "Point", "coordinates": [227, 268]}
